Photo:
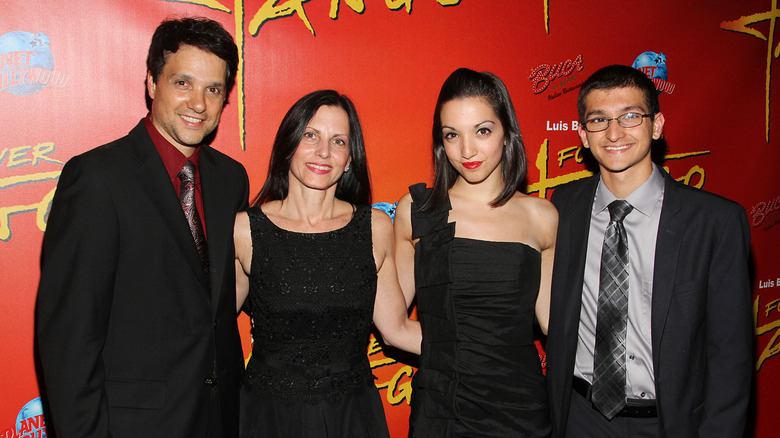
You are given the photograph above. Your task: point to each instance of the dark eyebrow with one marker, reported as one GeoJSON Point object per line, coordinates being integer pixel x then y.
{"type": "Point", "coordinates": [220, 85]}
{"type": "Point", "coordinates": [628, 109]}
{"type": "Point", "coordinates": [188, 78]}
{"type": "Point", "coordinates": [182, 76]}
{"type": "Point", "coordinates": [476, 126]}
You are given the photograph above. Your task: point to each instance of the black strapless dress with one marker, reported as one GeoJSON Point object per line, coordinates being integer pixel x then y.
{"type": "Point", "coordinates": [480, 374]}
{"type": "Point", "coordinates": [311, 299]}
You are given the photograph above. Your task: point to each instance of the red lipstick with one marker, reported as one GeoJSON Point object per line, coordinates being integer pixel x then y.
{"type": "Point", "coordinates": [471, 165]}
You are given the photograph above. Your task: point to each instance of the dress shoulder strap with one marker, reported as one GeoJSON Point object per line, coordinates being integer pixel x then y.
{"type": "Point", "coordinates": [419, 192]}
{"type": "Point", "coordinates": [425, 222]}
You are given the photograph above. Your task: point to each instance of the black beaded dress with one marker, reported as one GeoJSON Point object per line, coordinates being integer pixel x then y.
{"type": "Point", "coordinates": [311, 299]}
{"type": "Point", "coordinates": [480, 374]}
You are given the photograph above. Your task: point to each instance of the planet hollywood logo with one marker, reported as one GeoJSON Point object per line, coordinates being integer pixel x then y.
{"type": "Point", "coordinates": [29, 422]}
{"type": "Point", "coordinates": [27, 64]}
{"type": "Point", "coordinates": [387, 208]}
{"type": "Point", "coordinates": [654, 66]}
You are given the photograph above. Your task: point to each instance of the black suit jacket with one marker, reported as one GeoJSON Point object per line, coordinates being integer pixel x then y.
{"type": "Point", "coordinates": [701, 322]}
{"type": "Point", "coordinates": [129, 331]}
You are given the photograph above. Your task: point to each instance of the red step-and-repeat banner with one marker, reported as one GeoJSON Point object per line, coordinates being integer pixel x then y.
{"type": "Point", "coordinates": [72, 77]}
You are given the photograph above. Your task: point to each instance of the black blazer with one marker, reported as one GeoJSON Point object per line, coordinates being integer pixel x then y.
{"type": "Point", "coordinates": [128, 331]}
{"type": "Point", "coordinates": [701, 321]}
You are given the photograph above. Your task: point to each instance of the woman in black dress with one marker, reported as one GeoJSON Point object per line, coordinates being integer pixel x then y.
{"type": "Point", "coordinates": [478, 255]}
{"type": "Point", "coordinates": [315, 265]}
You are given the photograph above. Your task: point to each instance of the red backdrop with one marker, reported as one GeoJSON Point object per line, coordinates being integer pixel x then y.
{"type": "Point", "coordinates": [72, 76]}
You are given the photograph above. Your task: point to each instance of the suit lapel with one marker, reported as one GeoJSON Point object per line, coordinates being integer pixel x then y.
{"type": "Point", "coordinates": [219, 219]}
{"type": "Point", "coordinates": [153, 180]}
{"type": "Point", "coordinates": [578, 226]}
{"type": "Point", "coordinates": [667, 249]}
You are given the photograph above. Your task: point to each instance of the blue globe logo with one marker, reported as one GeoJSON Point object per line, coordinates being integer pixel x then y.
{"type": "Point", "coordinates": [653, 65]}
{"type": "Point", "coordinates": [29, 422]}
{"type": "Point", "coordinates": [20, 54]}
{"type": "Point", "coordinates": [386, 207]}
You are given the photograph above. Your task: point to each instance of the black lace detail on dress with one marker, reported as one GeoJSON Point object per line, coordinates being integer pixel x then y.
{"type": "Point", "coordinates": [311, 299]}
{"type": "Point", "coordinates": [287, 382]}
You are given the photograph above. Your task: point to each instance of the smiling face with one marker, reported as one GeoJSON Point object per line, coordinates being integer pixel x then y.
{"type": "Point", "coordinates": [473, 138]}
{"type": "Point", "coordinates": [323, 153]}
{"type": "Point", "coordinates": [188, 97]}
{"type": "Point", "coordinates": [622, 153]}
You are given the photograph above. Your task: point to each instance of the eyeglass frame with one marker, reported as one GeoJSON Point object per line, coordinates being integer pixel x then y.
{"type": "Point", "coordinates": [609, 120]}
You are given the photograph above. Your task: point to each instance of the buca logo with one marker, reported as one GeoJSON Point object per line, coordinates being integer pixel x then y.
{"type": "Point", "coordinates": [26, 64]}
{"type": "Point", "coordinates": [654, 66]}
{"type": "Point", "coordinates": [29, 422]}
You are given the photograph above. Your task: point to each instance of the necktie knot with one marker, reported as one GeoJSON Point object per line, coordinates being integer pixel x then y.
{"type": "Point", "coordinates": [618, 210]}
{"type": "Point", "coordinates": [187, 173]}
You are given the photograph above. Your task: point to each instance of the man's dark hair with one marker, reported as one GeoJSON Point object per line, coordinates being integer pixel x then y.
{"type": "Point", "coordinates": [618, 76]}
{"type": "Point", "coordinates": [353, 187]}
{"type": "Point", "coordinates": [203, 33]}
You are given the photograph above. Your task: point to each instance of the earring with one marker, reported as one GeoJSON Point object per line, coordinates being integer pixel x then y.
{"type": "Point", "coordinates": [346, 169]}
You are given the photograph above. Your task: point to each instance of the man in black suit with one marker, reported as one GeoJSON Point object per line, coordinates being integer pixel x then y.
{"type": "Point", "coordinates": [650, 329]}
{"type": "Point", "coordinates": [136, 323]}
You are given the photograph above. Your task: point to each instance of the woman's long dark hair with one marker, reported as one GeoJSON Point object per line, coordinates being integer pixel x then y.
{"type": "Point", "coordinates": [353, 187]}
{"type": "Point", "coordinates": [464, 83]}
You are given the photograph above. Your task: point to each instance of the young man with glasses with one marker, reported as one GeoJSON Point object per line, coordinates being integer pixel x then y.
{"type": "Point", "coordinates": [650, 323]}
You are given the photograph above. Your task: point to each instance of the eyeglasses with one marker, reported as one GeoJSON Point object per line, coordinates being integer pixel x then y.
{"type": "Point", "coordinates": [627, 120]}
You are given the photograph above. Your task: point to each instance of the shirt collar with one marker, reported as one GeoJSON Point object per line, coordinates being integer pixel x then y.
{"type": "Point", "coordinates": [172, 158]}
{"type": "Point", "coordinates": [644, 199]}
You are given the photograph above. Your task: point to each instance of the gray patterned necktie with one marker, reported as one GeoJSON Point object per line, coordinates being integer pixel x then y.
{"type": "Point", "coordinates": [609, 361]}
{"type": "Point", "coordinates": [187, 198]}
